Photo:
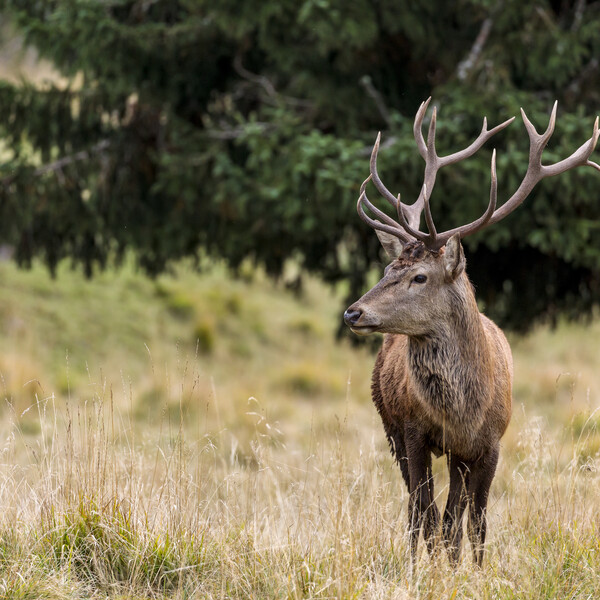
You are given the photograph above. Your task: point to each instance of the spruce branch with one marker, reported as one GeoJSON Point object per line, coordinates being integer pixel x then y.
{"type": "Point", "coordinates": [57, 165]}
{"type": "Point", "coordinates": [466, 65]}
{"type": "Point", "coordinates": [268, 86]}
{"type": "Point", "coordinates": [376, 96]}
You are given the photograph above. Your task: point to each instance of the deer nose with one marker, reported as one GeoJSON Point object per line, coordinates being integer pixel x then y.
{"type": "Point", "coordinates": [351, 316]}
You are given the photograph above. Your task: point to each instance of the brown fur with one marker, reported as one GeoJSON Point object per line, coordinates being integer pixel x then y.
{"type": "Point", "coordinates": [456, 385]}
{"type": "Point", "coordinates": [445, 388]}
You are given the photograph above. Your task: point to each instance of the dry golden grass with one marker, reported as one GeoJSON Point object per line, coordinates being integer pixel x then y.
{"type": "Point", "coordinates": [254, 466]}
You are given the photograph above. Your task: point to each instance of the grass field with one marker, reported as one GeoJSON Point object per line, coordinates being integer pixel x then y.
{"type": "Point", "coordinates": [198, 437]}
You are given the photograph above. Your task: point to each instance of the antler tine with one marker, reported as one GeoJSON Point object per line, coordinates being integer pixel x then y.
{"type": "Point", "coordinates": [378, 213]}
{"type": "Point", "coordinates": [412, 231]}
{"type": "Point", "coordinates": [579, 157]}
{"type": "Point", "coordinates": [417, 128]}
{"type": "Point", "coordinates": [428, 218]}
{"type": "Point", "coordinates": [480, 223]}
{"type": "Point", "coordinates": [431, 135]}
{"type": "Point", "coordinates": [594, 141]}
{"type": "Point", "coordinates": [429, 154]}
{"type": "Point", "coordinates": [552, 122]}
{"type": "Point", "coordinates": [389, 226]}
{"type": "Point", "coordinates": [481, 139]}
{"type": "Point", "coordinates": [537, 140]}
{"type": "Point", "coordinates": [375, 175]}
{"type": "Point", "coordinates": [487, 215]}
{"type": "Point", "coordinates": [380, 226]}
{"type": "Point", "coordinates": [493, 191]}
{"type": "Point", "coordinates": [536, 171]}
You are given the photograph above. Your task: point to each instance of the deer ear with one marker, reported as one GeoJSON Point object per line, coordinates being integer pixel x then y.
{"type": "Point", "coordinates": [454, 258]}
{"type": "Point", "coordinates": [391, 244]}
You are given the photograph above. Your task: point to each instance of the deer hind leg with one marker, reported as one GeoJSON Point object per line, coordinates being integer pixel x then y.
{"type": "Point", "coordinates": [479, 487]}
{"type": "Point", "coordinates": [452, 525]}
{"type": "Point", "coordinates": [423, 512]}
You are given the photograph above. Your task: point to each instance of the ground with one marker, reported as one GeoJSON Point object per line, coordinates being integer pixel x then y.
{"type": "Point", "coordinates": [200, 436]}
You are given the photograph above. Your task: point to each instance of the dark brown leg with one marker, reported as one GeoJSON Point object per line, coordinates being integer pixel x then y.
{"type": "Point", "coordinates": [393, 431]}
{"type": "Point", "coordinates": [479, 487]}
{"type": "Point", "coordinates": [396, 439]}
{"type": "Point", "coordinates": [432, 514]}
{"type": "Point", "coordinates": [452, 528]}
{"type": "Point", "coordinates": [423, 512]}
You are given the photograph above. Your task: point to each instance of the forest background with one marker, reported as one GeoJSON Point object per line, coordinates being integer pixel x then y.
{"type": "Point", "coordinates": [242, 131]}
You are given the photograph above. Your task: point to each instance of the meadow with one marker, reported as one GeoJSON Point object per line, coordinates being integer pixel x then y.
{"type": "Point", "coordinates": [198, 436]}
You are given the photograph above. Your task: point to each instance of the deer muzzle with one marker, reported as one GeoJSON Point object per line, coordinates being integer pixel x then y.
{"type": "Point", "coordinates": [359, 321]}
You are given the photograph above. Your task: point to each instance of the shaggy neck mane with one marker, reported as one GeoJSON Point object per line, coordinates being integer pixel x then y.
{"type": "Point", "coordinates": [460, 342]}
{"type": "Point", "coordinates": [463, 330]}
{"type": "Point", "coordinates": [451, 365]}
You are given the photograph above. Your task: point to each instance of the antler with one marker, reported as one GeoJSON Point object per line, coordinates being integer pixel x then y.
{"type": "Point", "coordinates": [536, 171]}
{"type": "Point", "coordinates": [407, 227]}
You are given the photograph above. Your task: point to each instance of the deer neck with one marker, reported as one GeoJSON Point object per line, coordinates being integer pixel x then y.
{"type": "Point", "coordinates": [450, 366]}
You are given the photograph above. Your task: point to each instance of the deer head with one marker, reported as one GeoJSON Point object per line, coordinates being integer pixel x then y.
{"type": "Point", "coordinates": [428, 267]}
{"type": "Point", "coordinates": [417, 291]}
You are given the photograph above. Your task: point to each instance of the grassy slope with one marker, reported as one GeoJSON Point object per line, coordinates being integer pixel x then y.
{"type": "Point", "coordinates": [202, 437]}
{"type": "Point", "coordinates": [182, 341]}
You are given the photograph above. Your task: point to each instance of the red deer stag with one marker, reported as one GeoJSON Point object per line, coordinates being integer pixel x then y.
{"type": "Point", "coordinates": [442, 379]}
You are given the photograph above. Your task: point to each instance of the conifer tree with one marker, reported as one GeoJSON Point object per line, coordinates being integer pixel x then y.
{"type": "Point", "coordinates": [242, 130]}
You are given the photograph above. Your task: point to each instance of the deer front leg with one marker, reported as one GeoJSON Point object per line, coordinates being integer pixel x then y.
{"type": "Point", "coordinates": [396, 440]}
{"type": "Point", "coordinates": [479, 487]}
{"type": "Point", "coordinates": [452, 528]}
{"type": "Point", "coordinates": [423, 512]}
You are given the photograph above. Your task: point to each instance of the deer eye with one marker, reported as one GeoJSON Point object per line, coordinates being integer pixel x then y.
{"type": "Point", "coordinates": [420, 278]}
